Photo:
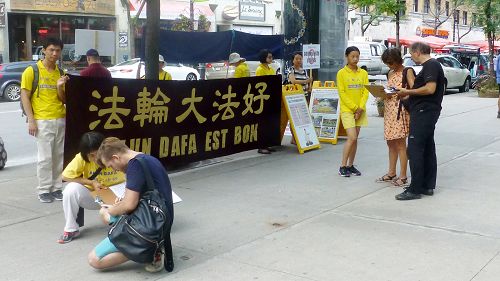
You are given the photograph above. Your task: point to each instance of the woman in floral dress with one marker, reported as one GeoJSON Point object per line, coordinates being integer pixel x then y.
{"type": "Point", "coordinates": [396, 129]}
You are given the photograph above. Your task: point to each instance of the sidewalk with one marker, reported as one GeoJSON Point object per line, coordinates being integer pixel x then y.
{"type": "Point", "coordinates": [291, 217]}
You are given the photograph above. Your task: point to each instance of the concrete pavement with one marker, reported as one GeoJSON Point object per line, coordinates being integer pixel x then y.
{"type": "Point", "coordinates": [291, 217]}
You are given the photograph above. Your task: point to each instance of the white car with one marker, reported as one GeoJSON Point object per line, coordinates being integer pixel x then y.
{"type": "Point", "coordinates": [457, 76]}
{"type": "Point", "coordinates": [370, 57]}
{"type": "Point", "coordinates": [128, 69]}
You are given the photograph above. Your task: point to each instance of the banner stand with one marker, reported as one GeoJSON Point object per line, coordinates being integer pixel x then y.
{"type": "Point", "coordinates": [325, 111]}
{"type": "Point", "coordinates": [301, 123]}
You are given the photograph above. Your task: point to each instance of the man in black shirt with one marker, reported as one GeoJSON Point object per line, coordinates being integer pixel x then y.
{"type": "Point", "coordinates": [425, 106]}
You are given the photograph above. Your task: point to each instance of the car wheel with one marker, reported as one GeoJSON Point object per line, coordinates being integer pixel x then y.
{"type": "Point", "coordinates": [465, 88]}
{"type": "Point", "coordinates": [12, 92]}
{"type": "Point", "coordinates": [191, 77]}
{"type": "Point", "coordinates": [445, 86]}
{"type": "Point", "coordinates": [3, 154]}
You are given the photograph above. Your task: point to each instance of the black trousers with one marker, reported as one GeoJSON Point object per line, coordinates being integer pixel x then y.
{"type": "Point", "coordinates": [422, 149]}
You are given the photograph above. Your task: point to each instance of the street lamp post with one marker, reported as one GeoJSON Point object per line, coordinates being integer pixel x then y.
{"type": "Point", "coordinates": [152, 38]}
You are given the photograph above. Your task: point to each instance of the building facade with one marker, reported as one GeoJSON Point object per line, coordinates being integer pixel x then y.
{"type": "Point", "coordinates": [420, 18]}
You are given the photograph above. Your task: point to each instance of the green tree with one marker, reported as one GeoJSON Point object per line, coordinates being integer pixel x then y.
{"type": "Point", "coordinates": [489, 19]}
{"type": "Point", "coordinates": [378, 9]}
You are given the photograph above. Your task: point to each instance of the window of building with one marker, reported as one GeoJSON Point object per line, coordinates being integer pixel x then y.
{"type": "Point", "coordinates": [427, 6]}
{"type": "Point", "coordinates": [415, 6]}
{"type": "Point", "coordinates": [438, 7]}
{"type": "Point", "coordinates": [447, 8]}
{"type": "Point", "coordinates": [364, 9]}
{"type": "Point", "coordinates": [464, 18]}
{"type": "Point", "coordinates": [474, 19]}
{"type": "Point", "coordinates": [403, 10]}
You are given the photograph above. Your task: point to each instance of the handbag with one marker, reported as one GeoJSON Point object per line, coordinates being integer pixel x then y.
{"type": "Point", "coordinates": [144, 232]}
{"type": "Point", "coordinates": [404, 83]}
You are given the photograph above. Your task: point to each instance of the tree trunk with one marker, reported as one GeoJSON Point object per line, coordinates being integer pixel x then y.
{"type": "Point", "coordinates": [152, 37]}
{"type": "Point", "coordinates": [491, 38]}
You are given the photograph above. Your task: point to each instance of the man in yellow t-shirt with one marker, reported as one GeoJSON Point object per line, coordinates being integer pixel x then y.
{"type": "Point", "coordinates": [241, 69]}
{"type": "Point", "coordinates": [80, 175]}
{"type": "Point", "coordinates": [46, 114]}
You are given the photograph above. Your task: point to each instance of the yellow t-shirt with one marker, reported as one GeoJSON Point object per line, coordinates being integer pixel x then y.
{"type": "Point", "coordinates": [352, 92]}
{"type": "Point", "coordinates": [78, 168]}
{"type": "Point", "coordinates": [163, 75]}
{"type": "Point", "coordinates": [242, 70]}
{"type": "Point", "coordinates": [45, 102]}
{"type": "Point", "coordinates": [263, 70]}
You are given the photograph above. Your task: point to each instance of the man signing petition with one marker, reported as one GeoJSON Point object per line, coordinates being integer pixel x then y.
{"type": "Point", "coordinates": [425, 107]}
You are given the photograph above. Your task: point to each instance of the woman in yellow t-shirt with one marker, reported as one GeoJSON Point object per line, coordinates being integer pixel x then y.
{"type": "Point", "coordinates": [81, 181]}
{"type": "Point", "coordinates": [264, 68]}
{"type": "Point", "coordinates": [351, 81]}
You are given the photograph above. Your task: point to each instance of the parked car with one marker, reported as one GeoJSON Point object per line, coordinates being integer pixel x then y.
{"type": "Point", "coordinates": [371, 56]}
{"type": "Point", "coordinates": [457, 76]}
{"type": "Point", "coordinates": [222, 70]}
{"type": "Point", "coordinates": [128, 69]}
{"type": "Point", "coordinates": [10, 79]}
{"type": "Point", "coordinates": [3, 154]}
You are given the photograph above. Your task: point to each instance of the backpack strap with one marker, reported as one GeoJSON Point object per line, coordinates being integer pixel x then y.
{"type": "Point", "coordinates": [404, 82]}
{"type": "Point", "coordinates": [36, 78]}
{"type": "Point", "coordinates": [149, 179]}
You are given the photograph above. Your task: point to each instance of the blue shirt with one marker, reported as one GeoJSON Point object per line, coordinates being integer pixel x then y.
{"type": "Point", "coordinates": [136, 178]}
{"type": "Point", "coordinates": [498, 70]}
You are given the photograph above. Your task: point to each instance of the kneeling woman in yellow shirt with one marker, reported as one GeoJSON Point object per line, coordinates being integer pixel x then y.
{"type": "Point", "coordinates": [80, 175]}
{"type": "Point", "coordinates": [353, 96]}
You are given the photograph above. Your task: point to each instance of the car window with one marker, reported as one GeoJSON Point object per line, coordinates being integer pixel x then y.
{"type": "Point", "coordinates": [455, 63]}
{"type": "Point", "coordinates": [445, 62]}
{"type": "Point", "coordinates": [16, 68]}
{"type": "Point", "coordinates": [408, 62]}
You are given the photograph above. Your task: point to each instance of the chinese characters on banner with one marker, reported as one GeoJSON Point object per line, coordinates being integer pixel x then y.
{"type": "Point", "coordinates": [176, 121]}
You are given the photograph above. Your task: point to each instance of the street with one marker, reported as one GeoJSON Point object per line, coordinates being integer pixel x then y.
{"type": "Point", "coordinates": [20, 146]}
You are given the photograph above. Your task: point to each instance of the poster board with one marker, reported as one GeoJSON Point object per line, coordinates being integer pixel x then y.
{"type": "Point", "coordinates": [300, 120]}
{"type": "Point", "coordinates": [325, 111]}
{"type": "Point", "coordinates": [311, 54]}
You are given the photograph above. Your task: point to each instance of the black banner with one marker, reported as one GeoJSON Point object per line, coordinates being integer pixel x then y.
{"type": "Point", "coordinates": [176, 121]}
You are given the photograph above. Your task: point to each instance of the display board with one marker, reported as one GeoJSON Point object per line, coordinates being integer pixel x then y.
{"type": "Point", "coordinates": [325, 111]}
{"type": "Point", "coordinates": [300, 120]}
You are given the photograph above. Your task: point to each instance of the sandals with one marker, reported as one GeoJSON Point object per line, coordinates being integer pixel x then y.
{"type": "Point", "coordinates": [400, 182]}
{"type": "Point", "coordinates": [386, 178]}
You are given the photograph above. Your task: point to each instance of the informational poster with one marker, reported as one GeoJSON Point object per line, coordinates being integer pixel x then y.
{"type": "Point", "coordinates": [325, 110]}
{"type": "Point", "coordinates": [2, 14]}
{"type": "Point", "coordinates": [300, 120]}
{"type": "Point", "coordinates": [311, 56]}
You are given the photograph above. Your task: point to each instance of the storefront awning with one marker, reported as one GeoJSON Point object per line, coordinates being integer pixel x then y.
{"type": "Point", "coordinates": [432, 41]}
{"type": "Point", "coordinates": [484, 45]}
{"type": "Point", "coordinates": [171, 10]}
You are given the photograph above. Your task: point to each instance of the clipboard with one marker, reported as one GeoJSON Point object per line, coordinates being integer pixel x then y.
{"type": "Point", "coordinates": [378, 91]}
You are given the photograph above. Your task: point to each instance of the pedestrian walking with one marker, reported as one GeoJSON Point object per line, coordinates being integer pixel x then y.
{"type": "Point", "coordinates": [425, 101]}
{"type": "Point", "coordinates": [43, 98]}
{"type": "Point", "coordinates": [396, 118]}
{"type": "Point", "coordinates": [95, 68]}
{"type": "Point", "coordinates": [351, 81]}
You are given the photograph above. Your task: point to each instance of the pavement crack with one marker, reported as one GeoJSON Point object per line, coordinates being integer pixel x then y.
{"type": "Point", "coordinates": [482, 268]}
{"type": "Point", "coordinates": [451, 230]}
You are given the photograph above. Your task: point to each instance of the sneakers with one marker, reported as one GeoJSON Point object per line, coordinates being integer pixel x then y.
{"type": "Point", "coordinates": [344, 172]}
{"type": "Point", "coordinates": [57, 195]}
{"type": "Point", "coordinates": [68, 237]}
{"type": "Point", "coordinates": [354, 171]}
{"type": "Point", "coordinates": [45, 197]}
{"type": "Point", "coordinates": [157, 264]}
{"type": "Point", "coordinates": [407, 195]}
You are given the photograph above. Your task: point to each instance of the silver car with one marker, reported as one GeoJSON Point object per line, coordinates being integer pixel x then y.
{"type": "Point", "coordinates": [457, 76]}
{"type": "Point", "coordinates": [221, 70]}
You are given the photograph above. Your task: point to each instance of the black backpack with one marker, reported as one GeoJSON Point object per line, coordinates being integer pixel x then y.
{"type": "Point", "coordinates": [142, 233]}
{"type": "Point", "coordinates": [34, 85]}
